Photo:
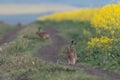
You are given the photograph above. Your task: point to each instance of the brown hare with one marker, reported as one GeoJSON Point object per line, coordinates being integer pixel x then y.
{"type": "Point", "coordinates": [42, 35]}
{"type": "Point", "coordinates": [72, 57]}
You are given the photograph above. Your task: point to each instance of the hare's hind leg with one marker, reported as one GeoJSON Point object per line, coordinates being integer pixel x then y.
{"type": "Point", "coordinates": [73, 62]}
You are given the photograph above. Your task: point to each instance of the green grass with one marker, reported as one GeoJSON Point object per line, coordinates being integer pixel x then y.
{"type": "Point", "coordinates": [26, 42]}
{"type": "Point", "coordinates": [82, 32]}
{"type": "Point", "coordinates": [18, 61]}
{"type": "Point", "coordinates": [23, 68]}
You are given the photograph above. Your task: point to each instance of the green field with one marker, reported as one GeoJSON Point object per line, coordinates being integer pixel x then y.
{"type": "Point", "coordinates": [82, 32]}
{"type": "Point", "coordinates": [18, 60]}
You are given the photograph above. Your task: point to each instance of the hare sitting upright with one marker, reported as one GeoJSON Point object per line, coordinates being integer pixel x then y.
{"type": "Point", "coordinates": [72, 57]}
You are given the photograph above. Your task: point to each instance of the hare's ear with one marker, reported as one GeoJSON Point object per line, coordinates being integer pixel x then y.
{"type": "Point", "coordinates": [39, 29]}
{"type": "Point", "coordinates": [73, 42]}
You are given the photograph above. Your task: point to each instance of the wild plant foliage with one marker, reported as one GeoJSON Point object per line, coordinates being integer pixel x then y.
{"type": "Point", "coordinates": [103, 47]}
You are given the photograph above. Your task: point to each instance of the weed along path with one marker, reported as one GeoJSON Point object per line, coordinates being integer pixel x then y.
{"type": "Point", "coordinates": [51, 53]}
{"type": "Point", "coordinates": [9, 36]}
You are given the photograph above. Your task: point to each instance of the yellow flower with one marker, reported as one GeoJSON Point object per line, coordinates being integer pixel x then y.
{"type": "Point", "coordinates": [103, 42]}
{"type": "Point", "coordinates": [107, 17]}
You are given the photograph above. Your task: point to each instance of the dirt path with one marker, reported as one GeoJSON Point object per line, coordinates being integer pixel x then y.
{"type": "Point", "coordinates": [9, 36]}
{"type": "Point", "coordinates": [51, 53]}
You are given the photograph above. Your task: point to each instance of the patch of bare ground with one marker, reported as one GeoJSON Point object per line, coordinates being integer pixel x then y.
{"type": "Point", "coordinates": [9, 36]}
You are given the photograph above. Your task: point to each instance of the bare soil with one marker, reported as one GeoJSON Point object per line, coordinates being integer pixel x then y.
{"type": "Point", "coordinates": [9, 36]}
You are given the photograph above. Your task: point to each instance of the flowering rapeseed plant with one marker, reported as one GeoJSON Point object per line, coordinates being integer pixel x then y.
{"type": "Point", "coordinates": [103, 42]}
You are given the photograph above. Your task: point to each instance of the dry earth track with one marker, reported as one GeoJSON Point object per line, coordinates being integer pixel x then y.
{"type": "Point", "coordinates": [9, 36]}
